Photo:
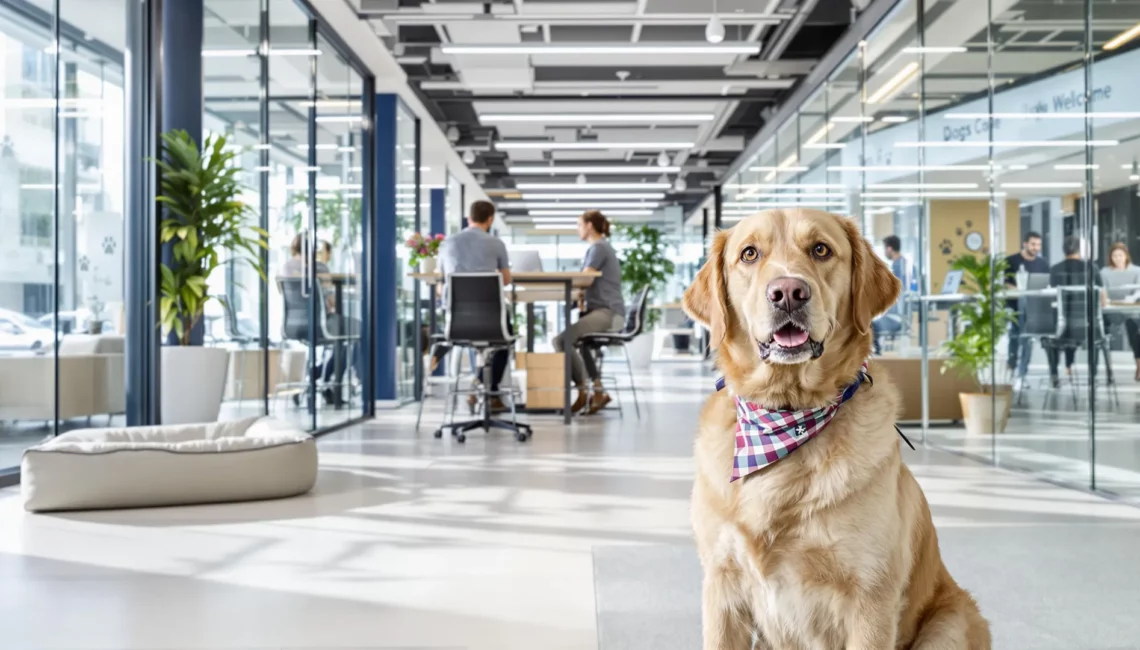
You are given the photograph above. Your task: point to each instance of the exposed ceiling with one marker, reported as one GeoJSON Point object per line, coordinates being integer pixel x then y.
{"type": "Point", "coordinates": [521, 84]}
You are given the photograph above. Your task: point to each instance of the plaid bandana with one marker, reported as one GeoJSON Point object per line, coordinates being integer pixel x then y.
{"type": "Point", "coordinates": [764, 436]}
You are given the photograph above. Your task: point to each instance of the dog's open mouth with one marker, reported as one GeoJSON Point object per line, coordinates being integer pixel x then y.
{"type": "Point", "coordinates": [790, 343]}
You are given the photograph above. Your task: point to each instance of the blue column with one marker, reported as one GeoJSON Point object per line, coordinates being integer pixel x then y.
{"type": "Point", "coordinates": [438, 212]}
{"type": "Point", "coordinates": [385, 274]}
{"type": "Point", "coordinates": [182, 98]}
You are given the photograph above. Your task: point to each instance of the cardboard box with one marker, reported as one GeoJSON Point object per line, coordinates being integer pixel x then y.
{"type": "Point", "coordinates": [544, 379]}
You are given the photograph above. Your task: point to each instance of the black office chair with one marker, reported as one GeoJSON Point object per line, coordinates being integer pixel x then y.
{"type": "Point", "coordinates": [295, 327]}
{"type": "Point", "coordinates": [634, 325]}
{"type": "Point", "coordinates": [1073, 333]}
{"type": "Point", "coordinates": [477, 319]}
{"type": "Point", "coordinates": [1037, 318]}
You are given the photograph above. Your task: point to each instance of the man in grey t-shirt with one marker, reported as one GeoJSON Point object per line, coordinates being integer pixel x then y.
{"type": "Point", "coordinates": [475, 250]}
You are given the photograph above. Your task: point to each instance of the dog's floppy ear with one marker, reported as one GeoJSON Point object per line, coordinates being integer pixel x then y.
{"type": "Point", "coordinates": [706, 300]}
{"type": "Point", "coordinates": [874, 288]}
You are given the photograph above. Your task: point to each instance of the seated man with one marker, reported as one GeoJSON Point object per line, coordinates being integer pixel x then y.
{"type": "Point", "coordinates": [476, 250]}
{"type": "Point", "coordinates": [892, 321]}
{"type": "Point", "coordinates": [1072, 272]}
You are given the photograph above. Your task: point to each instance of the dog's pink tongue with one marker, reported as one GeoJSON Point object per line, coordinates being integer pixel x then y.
{"type": "Point", "coordinates": [790, 336]}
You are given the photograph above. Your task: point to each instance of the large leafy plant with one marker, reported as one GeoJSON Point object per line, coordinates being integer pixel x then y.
{"type": "Point", "coordinates": [204, 221]}
{"type": "Point", "coordinates": [984, 317]}
{"type": "Point", "coordinates": [645, 262]}
{"type": "Point", "coordinates": [331, 209]}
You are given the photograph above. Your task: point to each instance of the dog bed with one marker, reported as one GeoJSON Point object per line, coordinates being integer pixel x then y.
{"type": "Point", "coordinates": [244, 460]}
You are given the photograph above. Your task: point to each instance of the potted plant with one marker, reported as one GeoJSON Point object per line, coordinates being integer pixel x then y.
{"type": "Point", "coordinates": [203, 222]}
{"type": "Point", "coordinates": [94, 324]}
{"type": "Point", "coordinates": [422, 251]}
{"type": "Point", "coordinates": [984, 319]}
{"type": "Point", "coordinates": [644, 263]}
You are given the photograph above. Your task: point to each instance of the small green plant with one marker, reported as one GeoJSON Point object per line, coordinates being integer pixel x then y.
{"type": "Point", "coordinates": [645, 263]}
{"type": "Point", "coordinates": [984, 319]}
{"type": "Point", "coordinates": [203, 219]}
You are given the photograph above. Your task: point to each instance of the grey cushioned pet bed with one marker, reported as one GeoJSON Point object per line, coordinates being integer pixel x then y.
{"type": "Point", "coordinates": [245, 460]}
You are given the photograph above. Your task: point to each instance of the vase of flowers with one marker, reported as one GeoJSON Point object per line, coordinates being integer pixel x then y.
{"type": "Point", "coordinates": [423, 250]}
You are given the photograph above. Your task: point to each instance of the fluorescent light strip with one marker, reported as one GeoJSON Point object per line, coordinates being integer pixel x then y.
{"type": "Point", "coordinates": [1043, 185]}
{"type": "Point", "coordinates": [851, 118]}
{"type": "Point", "coordinates": [793, 168]}
{"type": "Point", "coordinates": [235, 52]}
{"type": "Point", "coordinates": [1069, 167]}
{"type": "Point", "coordinates": [263, 168]}
{"type": "Point", "coordinates": [549, 226]}
{"type": "Point", "coordinates": [595, 118]}
{"type": "Point", "coordinates": [617, 169]}
{"type": "Point", "coordinates": [894, 119]}
{"type": "Point", "coordinates": [1123, 37]}
{"type": "Point", "coordinates": [588, 48]}
{"type": "Point", "coordinates": [1007, 143]}
{"type": "Point", "coordinates": [592, 186]}
{"type": "Point", "coordinates": [319, 147]}
{"type": "Point", "coordinates": [901, 78]}
{"type": "Point", "coordinates": [922, 186]}
{"type": "Point", "coordinates": [1044, 116]}
{"type": "Point", "coordinates": [790, 186]}
{"type": "Point", "coordinates": [804, 204]}
{"type": "Point", "coordinates": [582, 206]}
{"type": "Point", "coordinates": [326, 119]}
{"type": "Point", "coordinates": [819, 135]}
{"type": "Point", "coordinates": [628, 196]}
{"type": "Point", "coordinates": [935, 49]}
{"type": "Point", "coordinates": [825, 145]}
{"type": "Point", "coordinates": [794, 195]}
{"type": "Point", "coordinates": [910, 168]}
{"type": "Point", "coordinates": [577, 213]}
{"type": "Point", "coordinates": [928, 195]}
{"type": "Point", "coordinates": [552, 145]}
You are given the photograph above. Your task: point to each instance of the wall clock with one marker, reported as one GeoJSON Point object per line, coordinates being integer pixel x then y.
{"type": "Point", "coordinates": [974, 241]}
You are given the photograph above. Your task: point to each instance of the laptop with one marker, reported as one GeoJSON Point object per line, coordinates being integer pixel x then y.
{"type": "Point", "coordinates": [525, 261]}
{"type": "Point", "coordinates": [952, 283]}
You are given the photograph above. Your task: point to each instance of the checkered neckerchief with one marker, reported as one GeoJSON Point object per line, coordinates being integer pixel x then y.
{"type": "Point", "coordinates": [764, 436]}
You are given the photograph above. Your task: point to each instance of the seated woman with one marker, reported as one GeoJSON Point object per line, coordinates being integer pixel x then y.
{"type": "Point", "coordinates": [603, 309]}
{"type": "Point", "coordinates": [1122, 279]}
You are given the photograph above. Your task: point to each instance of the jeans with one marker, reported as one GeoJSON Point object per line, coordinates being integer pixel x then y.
{"type": "Point", "coordinates": [583, 366]}
{"type": "Point", "coordinates": [886, 324]}
{"type": "Point", "coordinates": [1020, 350]}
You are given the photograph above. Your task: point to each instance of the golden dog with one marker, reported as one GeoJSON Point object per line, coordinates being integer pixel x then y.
{"type": "Point", "coordinates": [832, 546]}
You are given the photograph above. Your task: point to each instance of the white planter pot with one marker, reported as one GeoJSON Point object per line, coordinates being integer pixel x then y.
{"type": "Point", "coordinates": [640, 351]}
{"type": "Point", "coordinates": [979, 411]}
{"type": "Point", "coordinates": [427, 266]}
{"type": "Point", "coordinates": [193, 380]}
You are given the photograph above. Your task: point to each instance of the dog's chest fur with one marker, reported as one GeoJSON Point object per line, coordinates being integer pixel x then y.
{"type": "Point", "coordinates": [799, 538]}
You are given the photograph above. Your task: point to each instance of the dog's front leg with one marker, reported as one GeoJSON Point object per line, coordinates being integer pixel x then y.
{"type": "Point", "coordinates": [874, 625]}
{"type": "Point", "coordinates": [725, 619]}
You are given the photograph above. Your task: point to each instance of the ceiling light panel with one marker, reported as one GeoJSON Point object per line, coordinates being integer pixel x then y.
{"type": "Point", "coordinates": [599, 118]}
{"type": "Point", "coordinates": [552, 145]}
{"type": "Point", "coordinates": [595, 48]}
{"type": "Point", "coordinates": [621, 196]}
{"type": "Point", "coordinates": [592, 186]}
{"type": "Point", "coordinates": [592, 169]}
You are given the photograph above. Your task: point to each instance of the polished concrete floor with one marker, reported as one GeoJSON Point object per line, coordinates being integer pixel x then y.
{"type": "Point", "coordinates": [411, 542]}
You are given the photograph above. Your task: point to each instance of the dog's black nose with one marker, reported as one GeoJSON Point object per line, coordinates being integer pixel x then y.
{"type": "Point", "coordinates": [788, 294]}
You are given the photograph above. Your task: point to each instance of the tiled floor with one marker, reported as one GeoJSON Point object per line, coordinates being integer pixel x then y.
{"type": "Point", "coordinates": [412, 542]}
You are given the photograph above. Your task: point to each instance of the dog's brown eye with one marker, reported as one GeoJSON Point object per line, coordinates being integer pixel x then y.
{"type": "Point", "coordinates": [821, 251]}
{"type": "Point", "coordinates": [749, 254]}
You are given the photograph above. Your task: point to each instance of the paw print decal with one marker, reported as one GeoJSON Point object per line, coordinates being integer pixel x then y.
{"type": "Point", "coordinates": [969, 224]}
{"type": "Point", "coordinates": [84, 263]}
{"type": "Point", "coordinates": [959, 232]}
{"type": "Point", "coordinates": [946, 246]}
{"type": "Point", "coordinates": [109, 245]}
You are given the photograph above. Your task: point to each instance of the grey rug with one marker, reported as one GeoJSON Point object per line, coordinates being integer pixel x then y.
{"type": "Point", "coordinates": [1057, 587]}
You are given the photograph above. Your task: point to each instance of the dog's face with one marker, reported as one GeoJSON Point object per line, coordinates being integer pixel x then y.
{"type": "Point", "coordinates": [792, 284]}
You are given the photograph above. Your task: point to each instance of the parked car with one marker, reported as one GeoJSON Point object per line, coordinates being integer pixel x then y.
{"type": "Point", "coordinates": [22, 333]}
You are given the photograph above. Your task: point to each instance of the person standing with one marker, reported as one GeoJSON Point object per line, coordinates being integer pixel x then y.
{"type": "Point", "coordinates": [1030, 260]}
{"type": "Point", "coordinates": [892, 321]}
{"type": "Point", "coordinates": [1121, 272]}
{"type": "Point", "coordinates": [604, 310]}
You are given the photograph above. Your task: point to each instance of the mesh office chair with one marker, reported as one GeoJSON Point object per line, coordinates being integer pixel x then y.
{"type": "Point", "coordinates": [1037, 318]}
{"type": "Point", "coordinates": [634, 325]}
{"type": "Point", "coordinates": [477, 319]}
{"type": "Point", "coordinates": [1073, 332]}
{"type": "Point", "coordinates": [295, 327]}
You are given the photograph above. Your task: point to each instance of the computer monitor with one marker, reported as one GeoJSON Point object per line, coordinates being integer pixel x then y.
{"type": "Point", "coordinates": [525, 261]}
{"type": "Point", "coordinates": [952, 283]}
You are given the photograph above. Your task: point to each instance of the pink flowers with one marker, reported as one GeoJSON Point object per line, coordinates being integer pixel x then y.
{"type": "Point", "coordinates": [423, 247]}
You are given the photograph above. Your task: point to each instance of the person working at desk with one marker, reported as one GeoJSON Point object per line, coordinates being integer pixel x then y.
{"type": "Point", "coordinates": [891, 322]}
{"type": "Point", "coordinates": [1071, 272]}
{"type": "Point", "coordinates": [1121, 272]}
{"type": "Point", "coordinates": [332, 370]}
{"type": "Point", "coordinates": [1028, 259]}
{"type": "Point", "coordinates": [475, 250]}
{"type": "Point", "coordinates": [604, 309]}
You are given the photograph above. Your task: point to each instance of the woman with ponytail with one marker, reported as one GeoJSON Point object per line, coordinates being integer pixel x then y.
{"type": "Point", "coordinates": [603, 309]}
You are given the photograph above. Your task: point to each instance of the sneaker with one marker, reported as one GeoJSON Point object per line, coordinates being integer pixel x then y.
{"type": "Point", "coordinates": [599, 402]}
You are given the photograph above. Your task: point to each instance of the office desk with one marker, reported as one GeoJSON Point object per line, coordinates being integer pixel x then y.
{"type": "Point", "coordinates": [539, 283]}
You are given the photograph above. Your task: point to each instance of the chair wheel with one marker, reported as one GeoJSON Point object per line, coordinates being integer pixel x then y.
{"type": "Point", "coordinates": [521, 436]}
{"type": "Point", "coordinates": [461, 438]}
{"type": "Point", "coordinates": [438, 434]}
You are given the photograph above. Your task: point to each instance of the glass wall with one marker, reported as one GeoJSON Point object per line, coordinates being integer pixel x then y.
{"type": "Point", "coordinates": [409, 210]}
{"type": "Point", "coordinates": [999, 132]}
{"type": "Point", "coordinates": [61, 219]}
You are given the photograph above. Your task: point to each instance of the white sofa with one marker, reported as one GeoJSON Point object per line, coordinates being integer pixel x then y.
{"type": "Point", "coordinates": [91, 380]}
{"type": "Point", "coordinates": [245, 460]}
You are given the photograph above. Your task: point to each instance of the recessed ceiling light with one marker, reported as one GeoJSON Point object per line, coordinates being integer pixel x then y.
{"type": "Point", "coordinates": [575, 196]}
{"type": "Point", "coordinates": [598, 169]}
{"type": "Point", "coordinates": [594, 186]}
{"type": "Point", "coordinates": [595, 118]}
{"type": "Point", "coordinates": [611, 48]}
{"type": "Point", "coordinates": [553, 145]}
